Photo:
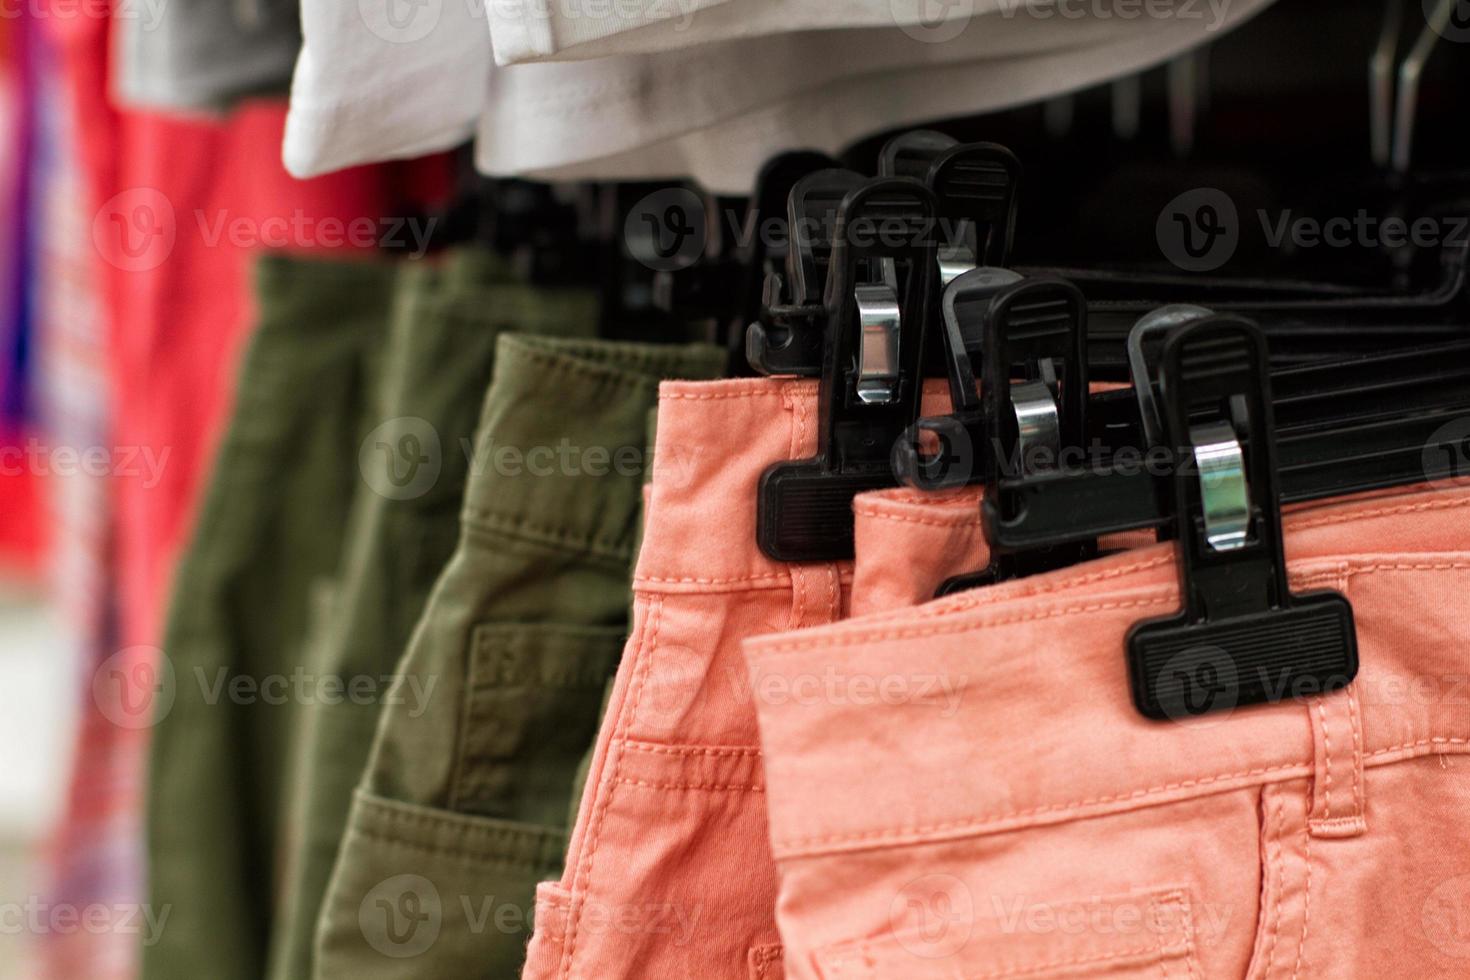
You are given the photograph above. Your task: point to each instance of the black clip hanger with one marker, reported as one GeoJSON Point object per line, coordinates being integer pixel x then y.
{"type": "Point", "coordinates": [788, 337]}
{"type": "Point", "coordinates": [977, 187]}
{"type": "Point", "coordinates": [1243, 637]}
{"type": "Point", "coordinates": [1306, 322]}
{"type": "Point", "coordinates": [878, 287]}
{"type": "Point", "coordinates": [959, 437]}
{"type": "Point", "coordinates": [765, 245]}
{"type": "Point", "coordinates": [1034, 404]}
{"type": "Point", "coordinates": [911, 154]}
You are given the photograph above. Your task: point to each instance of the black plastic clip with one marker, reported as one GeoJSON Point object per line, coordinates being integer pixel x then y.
{"type": "Point", "coordinates": [879, 284]}
{"type": "Point", "coordinates": [1243, 637]}
{"type": "Point", "coordinates": [977, 187]}
{"type": "Point", "coordinates": [1034, 408]}
{"type": "Point", "coordinates": [943, 452]}
{"type": "Point", "coordinates": [765, 248]}
{"type": "Point", "coordinates": [788, 338]}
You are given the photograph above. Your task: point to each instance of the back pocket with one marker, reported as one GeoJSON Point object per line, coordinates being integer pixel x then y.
{"type": "Point", "coordinates": [1120, 937]}
{"type": "Point", "coordinates": [533, 698]}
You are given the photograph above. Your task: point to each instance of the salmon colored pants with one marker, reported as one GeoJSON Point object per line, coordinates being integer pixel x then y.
{"type": "Point", "coordinates": [669, 872]}
{"type": "Point", "coordinates": [963, 789]}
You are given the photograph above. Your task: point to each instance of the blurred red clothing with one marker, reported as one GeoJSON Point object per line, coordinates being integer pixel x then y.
{"type": "Point", "coordinates": [179, 208]}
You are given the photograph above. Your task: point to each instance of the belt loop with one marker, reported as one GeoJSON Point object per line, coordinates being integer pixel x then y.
{"type": "Point", "coordinates": [1337, 804]}
{"type": "Point", "coordinates": [816, 594]}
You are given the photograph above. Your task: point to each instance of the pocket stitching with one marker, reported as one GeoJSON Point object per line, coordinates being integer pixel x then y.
{"type": "Point", "coordinates": [1275, 869]}
{"type": "Point", "coordinates": [1180, 947]}
{"type": "Point", "coordinates": [583, 873]}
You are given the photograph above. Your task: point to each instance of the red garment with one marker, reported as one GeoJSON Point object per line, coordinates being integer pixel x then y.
{"type": "Point", "coordinates": [180, 207]}
{"type": "Point", "coordinates": [22, 531]}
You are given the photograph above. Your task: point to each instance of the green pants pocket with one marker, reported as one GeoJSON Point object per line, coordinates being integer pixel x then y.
{"type": "Point", "coordinates": [422, 892]}
{"type": "Point", "coordinates": [532, 699]}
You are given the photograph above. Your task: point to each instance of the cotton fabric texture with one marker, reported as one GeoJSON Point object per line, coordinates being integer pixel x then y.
{"type": "Point", "coordinates": [1006, 812]}
{"type": "Point", "coordinates": [446, 321]}
{"type": "Point", "coordinates": [368, 90]}
{"type": "Point", "coordinates": [268, 539]}
{"type": "Point", "coordinates": [464, 801]}
{"type": "Point", "coordinates": [667, 871]}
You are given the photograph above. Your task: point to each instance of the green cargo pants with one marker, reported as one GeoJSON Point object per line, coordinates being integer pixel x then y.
{"type": "Point", "coordinates": [464, 804]}
{"type": "Point", "coordinates": [402, 530]}
{"type": "Point", "coordinates": [269, 533]}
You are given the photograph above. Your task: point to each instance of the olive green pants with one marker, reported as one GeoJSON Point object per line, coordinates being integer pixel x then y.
{"type": "Point", "coordinates": [401, 531]}
{"type": "Point", "coordinates": [269, 534]}
{"type": "Point", "coordinates": [464, 804]}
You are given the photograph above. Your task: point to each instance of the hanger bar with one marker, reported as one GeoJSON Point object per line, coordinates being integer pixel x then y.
{"type": "Point", "coordinates": [1332, 440]}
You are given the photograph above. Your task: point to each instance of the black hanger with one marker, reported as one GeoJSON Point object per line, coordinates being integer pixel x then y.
{"type": "Point", "coordinates": [788, 337]}
{"type": "Point", "coordinates": [1366, 423]}
{"type": "Point", "coordinates": [1243, 637]}
{"type": "Point", "coordinates": [766, 245]}
{"type": "Point", "coordinates": [875, 306]}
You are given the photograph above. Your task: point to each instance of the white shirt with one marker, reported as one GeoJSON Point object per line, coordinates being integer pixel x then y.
{"type": "Point", "coordinates": [368, 87]}
{"type": "Point", "coordinates": [531, 30]}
